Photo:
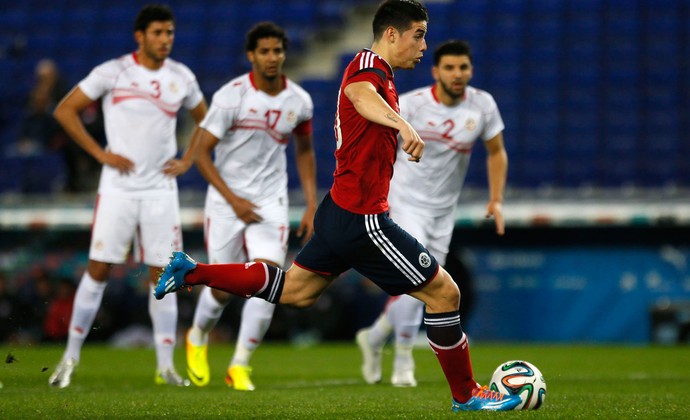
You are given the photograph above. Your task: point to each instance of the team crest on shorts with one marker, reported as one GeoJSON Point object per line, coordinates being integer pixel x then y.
{"type": "Point", "coordinates": [424, 260]}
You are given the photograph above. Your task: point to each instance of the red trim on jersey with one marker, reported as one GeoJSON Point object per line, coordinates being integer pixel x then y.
{"type": "Point", "coordinates": [303, 129]}
{"type": "Point", "coordinates": [433, 93]}
{"type": "Point", "coordinates": [135, 57]}
{"type": "Point", "coordinates": [323, 273]}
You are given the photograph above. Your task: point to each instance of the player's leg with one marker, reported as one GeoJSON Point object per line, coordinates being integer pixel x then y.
{"type": "Point", "coordinates": [300, 286]}
{"type": "Point", "coordinates": [401, 315]}
{"type": "Point", "coordinates": [405, 314]}
{"type": "Point", "coordinates": [159, 234]}
{"type": "Point", "coordinates": [403, 265]}
{"type": "Point", "coordinates": [208, 311]}
{"type": "Point", "coordinates": [256, 318]}
{"type": "Point", "coordinates": [114, 225]}
{"type": "Point", "coordinates": [297, 286]}
{"type": "Point", "coordinates": [449, 342]}
{"type": "Point", "coordinates": [224, 235]}
{"type": "Point", "coordinates": [265, 242]}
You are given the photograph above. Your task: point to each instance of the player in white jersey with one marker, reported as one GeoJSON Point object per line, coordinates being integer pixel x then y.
{"type": "Point", "coordinates": [248, 126]}
{"type": "Point", "coordinates": [137, 201]}
{"type": "Point", "coordinates": [450, 116]}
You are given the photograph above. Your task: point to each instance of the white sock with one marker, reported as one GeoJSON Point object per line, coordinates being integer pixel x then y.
{"type": "Point", "coordinates": [403, 357]}
{"type": "Point", "coordinates": [256, 318]}
{"type": "Point", "coordinates": [380, 331]}
{"type": "Point", "coordinates": [87, 301]}
{"type": "Point", "coordinates": [164, 320]}
{"type": "Point", "coordinates": [206, 315]}
{"type": "Point", "coordinates": [406, 314]}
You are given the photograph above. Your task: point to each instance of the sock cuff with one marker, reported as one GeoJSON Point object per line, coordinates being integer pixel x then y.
{"type": "Point", "coordinates": [274, 285]}
{"type": "Point", "coordinates": [443, 319]}
{"type": "Point", "coordinates": [92, 285]}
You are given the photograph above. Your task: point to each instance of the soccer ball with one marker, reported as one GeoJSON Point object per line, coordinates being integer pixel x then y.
{"type": "Point", "coordinates": [518, 377]}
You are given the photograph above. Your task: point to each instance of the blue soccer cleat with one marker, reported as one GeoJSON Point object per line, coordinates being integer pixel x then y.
{"type": "Point", "coordinates": [172, 277]}
{"type": "Point", "coordinates": [485, 399]}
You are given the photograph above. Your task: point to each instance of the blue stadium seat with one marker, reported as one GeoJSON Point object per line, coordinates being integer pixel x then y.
{"type": "Point", "coordinates": [13, 168]}
{"type": "Point", "coordinates": [43, 174]}
{"type": "Point", "coordinates": [13, 20]}
{"type": "Point", "coordinates": [192, 180]}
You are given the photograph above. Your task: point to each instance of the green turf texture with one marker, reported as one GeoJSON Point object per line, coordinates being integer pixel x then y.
{"type": "Point", "coordinates": [323, 381]}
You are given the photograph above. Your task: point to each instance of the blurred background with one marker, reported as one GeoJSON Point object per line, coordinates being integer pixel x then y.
{"type": "Point", "coordinates": [595, 96]}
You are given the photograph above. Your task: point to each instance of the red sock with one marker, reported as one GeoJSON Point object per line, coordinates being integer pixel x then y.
{"type": "Point", "coordinates": [243, 280]}
{"type": "Point", "coordinates": [456, 365]}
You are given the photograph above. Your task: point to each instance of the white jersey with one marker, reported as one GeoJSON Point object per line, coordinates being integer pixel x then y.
{"type": "Point", "coordinates": [433, 185]}
{"type": "Point", "coordinates": [254, 129]}
{"type": "Point", "coordinates": [140, 112]}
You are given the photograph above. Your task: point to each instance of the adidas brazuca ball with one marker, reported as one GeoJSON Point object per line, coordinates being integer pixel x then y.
{"type": "Point", "coordinates": [518, 377]}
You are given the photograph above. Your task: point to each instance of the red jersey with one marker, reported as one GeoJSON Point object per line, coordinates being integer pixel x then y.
{"type": "Point", "coordinates": [365, 151]}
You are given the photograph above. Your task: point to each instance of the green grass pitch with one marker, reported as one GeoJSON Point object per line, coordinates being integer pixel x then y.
{"type": "Point", "coordinates": [585, 382]}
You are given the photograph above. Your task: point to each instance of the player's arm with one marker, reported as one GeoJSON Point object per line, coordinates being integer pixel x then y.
{"type": "Point", "coordinates": [370, 105]}
{"type": "Point", "coordinates": [497, 170]}
{"type": "Point", "coordinates": [67, 114]}
{"type": "Point", "coordinates": [176, 167]}
{"type": "Point", "coordinates": [306, 167]}
{"type": "Point", "coordinates": [206, 142]}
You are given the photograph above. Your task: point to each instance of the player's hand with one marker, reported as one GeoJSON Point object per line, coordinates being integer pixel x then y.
{"type": "Point", "coordinates": [495, 209]}
{"type": "Point", "coordinates": [119, 162]}
{"type": "Point", "coordinates": [176, 167]}
{"type": "Point", "coordinates": [306, 227]}
{"type": "Point", "coordinates": [412, 144]}
{"type": "Point", "coordinates": [244, 209]}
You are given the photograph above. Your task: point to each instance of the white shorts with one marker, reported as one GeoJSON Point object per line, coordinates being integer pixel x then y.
{"type": "Point", "coordinates": [152, 225]}
{"type": "Point", "coordinates": [434, 232]}
{"type": "Point", "coordinates": [230, 240]}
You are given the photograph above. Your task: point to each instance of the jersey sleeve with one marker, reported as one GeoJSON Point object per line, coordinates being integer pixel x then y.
{"type": "Point", "coordinates": [194, 96]}
{"type": "Point", "coordinates": [100, 81]}
{"type": "Point", "coordinates": [221, 114]}
{"type": "Point", "coordinates": [492, 117]}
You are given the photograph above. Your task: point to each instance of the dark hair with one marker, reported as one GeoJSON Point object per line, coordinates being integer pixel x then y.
{"type": "Point", "coordinates": [399, 14]}
{"type": "Point", "coordinates": [265, 30]}
{"type": "Point", "coordinates": [152, 13]}
{"type": "Point", "coordinates": [452, 47]}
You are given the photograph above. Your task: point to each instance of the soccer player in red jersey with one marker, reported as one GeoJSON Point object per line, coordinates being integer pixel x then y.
{"type": "Point", "coordinates": [351, 227]}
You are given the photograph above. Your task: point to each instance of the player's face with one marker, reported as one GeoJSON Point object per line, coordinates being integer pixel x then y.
{"type": "Point", "coordinates": [156, 42]}
{"type": "Point", "coordinates": [268, 58]}
{"type": "Point", "coordinates": [411, 46]}
{"type": "Point", "coordinates": [453, 74]}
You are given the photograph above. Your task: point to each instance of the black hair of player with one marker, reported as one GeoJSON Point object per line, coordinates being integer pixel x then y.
{"type": "Point", "coordinates": [152, 13]}
{"type": "Point", "coordinates": [400, 14]}
{"type": "Point", "coordinates": [452, 47]}
{"type": "Point", "coordinates": [265, 30]}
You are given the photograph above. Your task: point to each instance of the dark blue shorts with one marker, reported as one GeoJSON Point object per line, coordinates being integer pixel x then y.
{"type": "Point", "coordinates": [372, 244]}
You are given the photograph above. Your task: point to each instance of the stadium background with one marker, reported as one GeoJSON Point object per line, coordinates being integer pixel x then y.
{"type": "Point", "coordinates": [595, 97]}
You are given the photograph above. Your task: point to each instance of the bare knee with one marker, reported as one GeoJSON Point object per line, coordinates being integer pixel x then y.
{"type": "Point", "coordinates": [98, 270]}
{"type": "Point", "coordinates": [441, 294]}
